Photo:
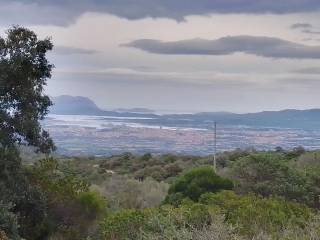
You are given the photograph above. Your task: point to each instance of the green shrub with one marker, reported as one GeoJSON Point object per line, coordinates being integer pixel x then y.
{"type": "Point", "coordinates": [32, 210]}
{"type": "Point", "coordinates": [175, 223]}
{"type": "Point", "coordinates": [92, 203]}
{"type": "Point", "coordinates": [195, 215]}
{"type": "Point", "coordinates": [55, 181]}
{"type": "Point", "coordinates": [197, 182]}
{"type": "Point", "coordinates": [189, 221]}
{"type": "Point", "coordinates": [269, 174]}
{"type": "Point", "coordinates": [125, 224]}
{"type": "Point", "coordinates": [71, 208]}
{"type": "Point", "coordinates": [146, 157]}
{"type": "Point", "coordinates": [252, 214]}
{"type": "Point", "coordinates": [164, 229]}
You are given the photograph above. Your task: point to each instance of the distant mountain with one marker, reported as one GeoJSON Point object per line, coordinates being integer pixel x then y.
{"type": "Point", "coordinates": [291, 118]}
{"type": "Point", "coordinates": [70, 105]}
{"type": "Point", "coordinates": [134, 110]}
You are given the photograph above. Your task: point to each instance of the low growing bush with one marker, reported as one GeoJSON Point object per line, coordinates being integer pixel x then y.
{"type": "Point", "coordinates": [252, 214]}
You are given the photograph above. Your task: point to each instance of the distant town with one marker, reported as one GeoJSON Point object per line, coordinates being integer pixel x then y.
{"type": "Point", "coordinates": [89, 135]}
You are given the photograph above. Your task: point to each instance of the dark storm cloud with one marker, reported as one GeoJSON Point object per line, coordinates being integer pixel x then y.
{"type": "Point", "coordinates": [301, 26]}
{"type": "Point", "coordinates": [63, 50]}
{"type": "Point", "coordinates": [259, 46]}
{"type": "Point", "coordinates": [64, 12]}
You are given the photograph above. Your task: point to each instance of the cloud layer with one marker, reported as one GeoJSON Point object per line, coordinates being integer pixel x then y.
{"type": "Point", "coordinates": [64, 50]}
{"type": "Point", "coordinates": [126, 77]}
{"type": "Point", "coordinates": [65, 12]}
{"type": "Point", "coordinates": [301, 26]}
{"type": "Point", "coordinates": [308, 31]}
{"type": "Point", "coordinates": [311, 70]}
{"type": "Point", "coordinates": [259, 46]}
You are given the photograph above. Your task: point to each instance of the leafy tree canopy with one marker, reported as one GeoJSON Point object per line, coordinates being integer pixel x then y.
{"type": "Point", "coordinates": [24, 70]}
{"type": "Point", "coordinates": [197, 182]}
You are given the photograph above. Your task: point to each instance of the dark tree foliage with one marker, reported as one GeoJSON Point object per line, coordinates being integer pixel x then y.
{"type": "Point", "coordinates": [8, 223]}
{"type": "Point", "coordinates": [24, 70]}
{"type": "Point", "coordinates": [197, 182]}
{"type": "Point", "coordinates": [269, 174]}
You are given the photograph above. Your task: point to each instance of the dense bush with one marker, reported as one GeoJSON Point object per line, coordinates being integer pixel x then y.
{"type": "Point", "coordinates": [57, 201]}
{"type": "Point", "coordinates": [125, 224]}
{"type": "Point", "coordinates": [161, 168]}
{"type": "Point", "coordinates": [252, 214]}
{"type": "Point", "coordinates": [223, 216]}
{"type": "Point", "coordinates": [308, 160]}
{"type": "Point", "coordinates": [158, 223]}
{"type": "Point", "coordinates": [174, 223]}
{"type": "Point", "coordinates": [92, 204]}
{"type": "Point", "coordinates": [72, 207]}
{"type": "Point", "coordinates": [32, 211]}
{"type": "Point", "coordinates": [268, 174]}
{"type": "Point", "coordinates": [124, 192]}
{"type": "Point", "coordinates": [28, 202]}
{"type": "Point", "coordinates": [224, 159]}
{"type": "Point", "coordinates": [195, 183]}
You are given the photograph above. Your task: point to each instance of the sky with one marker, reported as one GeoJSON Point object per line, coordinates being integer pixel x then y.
{"type": "Point", "coordinates": [179, 55]}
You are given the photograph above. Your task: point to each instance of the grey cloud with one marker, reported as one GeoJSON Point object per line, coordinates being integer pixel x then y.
{"type": "Point", "coordinates": [63, 50]}
{"type": "Point", "coordinates": [307, 39]}
{"type": "Point", "coordinates": [31, 13]}
{"type": "Point", "coordinates": [259, 46]}
{"type": "Point", "coordinates": [65, 12]}
{"type": "Point", "coordinates": [300, 25]}
{"type": "Point", "coordinates": [308, 31]}
{"type": "Point", "coordinates": [129, 76]}
{"type": "Point", "coordinates": [314, 70]}
{"type": "Point", "coordinates": [305, 28]}
{"type": "Point", "coordinates": [302, 81]}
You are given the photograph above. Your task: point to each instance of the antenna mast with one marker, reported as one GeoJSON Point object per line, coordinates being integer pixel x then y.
{"type": "Point", "coordinates": [215, 147]}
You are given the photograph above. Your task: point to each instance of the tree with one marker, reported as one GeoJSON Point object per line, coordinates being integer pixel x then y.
{"type": "Point", "coordinates": [24, 70]}
{"type": "Point", "coordinates": [195, 183]}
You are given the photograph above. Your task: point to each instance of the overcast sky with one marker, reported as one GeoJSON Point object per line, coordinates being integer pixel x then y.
{"type": "Point", "coordinates": [183, 55]}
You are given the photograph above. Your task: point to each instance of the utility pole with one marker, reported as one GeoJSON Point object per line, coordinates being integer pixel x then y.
{"type": "Point", "coordinates": [215, 147]}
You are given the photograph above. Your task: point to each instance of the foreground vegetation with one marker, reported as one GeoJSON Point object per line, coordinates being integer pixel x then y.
{"type": "Point", "coordinates": [252, 195]}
